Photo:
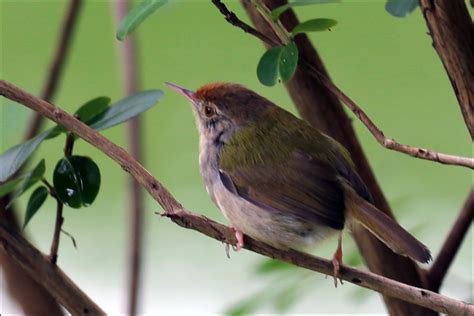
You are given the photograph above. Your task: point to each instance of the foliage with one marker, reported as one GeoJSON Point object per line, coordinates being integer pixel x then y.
{"type": "Point", "coordinates": [76, 179]}
{"type": "Point", "coordinates": [401, 8]}
{"type": "Point", "coordinates": [137, 16]}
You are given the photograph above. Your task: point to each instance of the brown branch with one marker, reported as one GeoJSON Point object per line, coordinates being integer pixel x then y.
{"type": "Point", "coordinates": [422, 153]}
{"type": "Point", "coordinates": [452, 31]}
{"type": "Point", "coordinates": [234, 20]}
{"type": "Point", "coordinates": [452, 244]}
{"type": "Point", "coordinates": [31, 296]}
{"type": "Point", "coordinates": [317, 105]}
{"type": "Point", "coordinates": [57, 231]}
{"type": "Point", "coordinates": [68, 147]}
{"type": "Point", "coordinates": [388, 143]}
{"type": "Point", "coordinates": [175, 211]}
{"type": "Point", "coordinates": [57, 63]}
{"type": "Point", "coordinates": [358, 277]}
{"type": "Point", "coordinates": [135, 138]}
{"type": "Point", "coordinates": [38, 267]}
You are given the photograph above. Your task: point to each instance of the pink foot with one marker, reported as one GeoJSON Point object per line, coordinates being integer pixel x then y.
{"type": "Point", "coordinates": [240, 239]}
{"type": "Point", "coordinates": [337, 261]}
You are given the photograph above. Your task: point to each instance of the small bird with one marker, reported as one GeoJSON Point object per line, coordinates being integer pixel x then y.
{"type": "Point", "coordinates": [279, 180]}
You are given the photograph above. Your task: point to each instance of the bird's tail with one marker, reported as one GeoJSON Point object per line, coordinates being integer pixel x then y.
{"type": "Point", "coordinates": [385, 228]}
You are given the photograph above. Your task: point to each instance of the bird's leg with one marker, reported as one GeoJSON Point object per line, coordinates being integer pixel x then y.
{"type": "Point", "coordinates": [240, 239]}
{"type": "Point", "coordinates": [337, 259]}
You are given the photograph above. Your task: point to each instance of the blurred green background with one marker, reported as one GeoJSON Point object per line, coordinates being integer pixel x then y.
{"type": "Point", "coordinates": [386, 64]}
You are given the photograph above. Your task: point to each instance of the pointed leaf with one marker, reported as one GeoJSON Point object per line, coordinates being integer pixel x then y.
{"type": "Point", "coordinates": [76, 181]}
{"type": "Point", "coordinates": [29, 179]}
{"type": "Point", "coordinates": [314, 25]}
{"type": "Point", "coordinates": [9, 186]}
{"type": "Point", "coordinates": [66, 184]}
{"type": "Point", "coordinates": [401, 8]}
{"type": "Point", "coordinates": [89, 174]}
{"type": "Point", "coordinates": [91, 109]}
{"type": "Point", "coordinates": [288, 61]}
{"type": "Point", "coordinates": [88, 113]}
{"type": "Point", "coordinates": [136, 16]}
{"type": "Point", "coordinates": [278, 11]}
{"type": "Point", "coordinates": [15, 157]}
{"type": "Point", "coordinates": [127, 108]}
{"type": "Point", "coordinates": [268, 66]}
{"type": "Point", "coordinates": [37, 199]}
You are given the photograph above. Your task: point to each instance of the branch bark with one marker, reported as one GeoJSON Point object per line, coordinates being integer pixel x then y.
{"type": "Point", "coordinates": [30, 295]}
{"type": "Point", "coordinates": [129, 66]}
{"type": "Point", "coordinates": [452, 244]}
{"type": "Point", "coordinates": [452, 31]}
{"type": "Point", "coordinates": [49, 275]}
{"type": "Point", "coordinates": [322, 109]}
{"type": "Point", "coordinates": [176, 212]}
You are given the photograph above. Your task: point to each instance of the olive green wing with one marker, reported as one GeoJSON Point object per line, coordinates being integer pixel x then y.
{"type": "Point", "coordinates": [301, 185]}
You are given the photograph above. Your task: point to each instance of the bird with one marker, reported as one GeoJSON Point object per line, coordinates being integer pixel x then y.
{"type": "Point", "coordinates": [280, 180]}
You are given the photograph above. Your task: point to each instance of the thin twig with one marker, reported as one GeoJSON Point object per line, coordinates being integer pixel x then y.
{"type": "Point", "coordinates": [206, 226]}
{"type": "Point", "coordinates": [57, 231]}
{"type": "Point", "coordinates": [422, 153]}
{"type": "Point", "coordinates": [73, 240]}
{"type": "Point", "coordinates": [129, 67]}
{"type": "Point", "coordinates": [451, 245]}
{"type": "Point", "coordinates": [68, 147]}
{"type": "Point", "coordinates": [234, 20]}
{"type": "Point", "coordinates": [57, 64]}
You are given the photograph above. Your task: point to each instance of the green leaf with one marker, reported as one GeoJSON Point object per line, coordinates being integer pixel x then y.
{"type": "Point", "coordinates": [400, 8]}
{"type": "Point", "coordinates": [29, 179]}
{"type": "Point", "coordinates": [9, 186]}
{"type": "Point", "coordinates": [314, 25]}
{"type": "Point", "coordinates": [90, 110]}
{"type": "Point", "coordinates": [136, 16]}
{"type": "Point", "coordinates": [37, 199]}
{"type": "Point", "coordinates": [279, 11]}
{"type": "Point", "coordinates": [15, 157]}
{"type": "Point", "coordinates": [272, 265]}
{"type": "Point", "coordinates": [277, 62]}
{"type": "Point", "coordinates": [268, 66]}
{"type": "Point", "coordinates": [88, 113]}
{"type": "Point", "coordinates": [288, 61]}
{"type": "Point", "coordinates": [127, 108]}
{"type": "Point", "coordinates": [76, 181]}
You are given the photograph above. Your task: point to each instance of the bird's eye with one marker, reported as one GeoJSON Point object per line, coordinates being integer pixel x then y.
{"type": "Point", "coordinates": [209, 111]}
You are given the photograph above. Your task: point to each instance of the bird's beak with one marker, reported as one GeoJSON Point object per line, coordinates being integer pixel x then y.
{"type": "Point", "coordinates": [188, 94]}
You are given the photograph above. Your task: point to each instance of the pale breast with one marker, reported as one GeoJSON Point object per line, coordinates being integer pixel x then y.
{"type": "Point", "coordinates": [271, 226]}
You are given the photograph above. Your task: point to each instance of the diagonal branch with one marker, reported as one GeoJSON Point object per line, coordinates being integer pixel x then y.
{"type": "Point", "coordinates": [452, 244]}
{"type": "Point", "coordinates": [452, 31]}
{"type": "Point", "coordinates": [130, 80]}
{"type": "Point", "coordinates": [57, 64]}
{"type": "Point", "coordinates": [175, 211]}
{"type": "Point", "coordinates": [422, 153]}
{"type": "Point", "coordinates": [49, 275]}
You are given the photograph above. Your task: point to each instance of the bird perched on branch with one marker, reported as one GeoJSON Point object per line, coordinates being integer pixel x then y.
{"type": "Point", "coordinates": [279, 180]}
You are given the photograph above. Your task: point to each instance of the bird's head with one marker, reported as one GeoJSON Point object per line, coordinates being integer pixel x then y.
{"type": "Point", "coordinates": [221, 109]}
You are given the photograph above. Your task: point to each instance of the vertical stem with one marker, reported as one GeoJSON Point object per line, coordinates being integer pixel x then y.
{"type": "Point", "coordinates": [130, 85]}
{"type": "Point", "coordinates": [451, 244]}
{"type": "Point", "coordinates": [68, 147]}
{"type": "Point", "coordinates": [57, 232]}
{"type": "Point", "coordinates": [57, 64]}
